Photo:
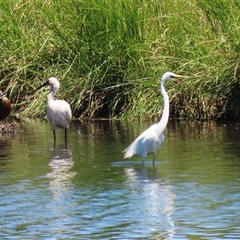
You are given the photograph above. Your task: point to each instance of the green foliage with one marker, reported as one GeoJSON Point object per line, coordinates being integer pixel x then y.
{"type": "Point", "coordinates": [110, 55]}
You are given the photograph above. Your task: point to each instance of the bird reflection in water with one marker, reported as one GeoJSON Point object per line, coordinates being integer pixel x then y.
{"type": "Point", "coordinates": [156, 201]}
{"type": "Point", "coordinates": [60, 177]}
{"type": "Point", "coordinates": [5, 153]}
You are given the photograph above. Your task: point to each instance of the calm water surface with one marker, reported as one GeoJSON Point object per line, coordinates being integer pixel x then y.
{"type": "Point", "coordinates": [86, 190]}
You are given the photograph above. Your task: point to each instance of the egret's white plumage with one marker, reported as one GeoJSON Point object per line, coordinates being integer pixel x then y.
{"type": "Point", "coordinates": [58, 111]}
{"type": "Point", "coordinates": [151, 139]}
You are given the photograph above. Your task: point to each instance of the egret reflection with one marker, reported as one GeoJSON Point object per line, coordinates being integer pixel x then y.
{"type": "Point", "coordinates": [157, 201]}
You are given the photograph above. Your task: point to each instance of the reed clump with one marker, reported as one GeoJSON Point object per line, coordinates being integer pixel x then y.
{"type": "Point", "coordinates": [110, 56]}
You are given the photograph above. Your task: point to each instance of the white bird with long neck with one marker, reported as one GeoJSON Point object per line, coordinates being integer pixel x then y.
{"type": "Point", "coordinates": [151, 139]}
{"type": "Point", "coordinates": [58, 111]}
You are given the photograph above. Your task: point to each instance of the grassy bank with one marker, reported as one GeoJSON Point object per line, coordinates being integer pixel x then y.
{"type": "Point", "coordinates": [110, 55]}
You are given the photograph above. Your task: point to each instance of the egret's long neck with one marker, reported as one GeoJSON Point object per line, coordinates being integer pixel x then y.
{"type": "Point", "coordinates": [164, 120]}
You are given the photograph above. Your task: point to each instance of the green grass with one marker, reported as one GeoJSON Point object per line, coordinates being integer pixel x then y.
{"type": "Point", "coordinates": [110, 55]}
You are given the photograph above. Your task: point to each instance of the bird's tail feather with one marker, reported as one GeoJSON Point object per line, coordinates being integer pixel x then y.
{"type": "Point", "coordinates": [130, 151]}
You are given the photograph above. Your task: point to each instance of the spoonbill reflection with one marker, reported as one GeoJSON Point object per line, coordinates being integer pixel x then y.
{"type": "Point", "coordinates": [58, 111]}
{"type": "Point", "coordinates": [151, 139]}
{"type": "Point", "coordinates": [61, 174]}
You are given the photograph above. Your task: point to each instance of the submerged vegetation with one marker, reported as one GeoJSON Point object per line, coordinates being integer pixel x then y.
{"type": "Point", "coordinates": [110, 55]}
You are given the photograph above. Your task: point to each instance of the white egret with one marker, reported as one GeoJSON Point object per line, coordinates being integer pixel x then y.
{"type": "Point", "coordinates": [58, 111]}
{"type": "Point", "coordinates": [151, 139]}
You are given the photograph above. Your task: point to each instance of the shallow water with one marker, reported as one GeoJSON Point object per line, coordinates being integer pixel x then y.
{"type": "Point", "coordinates": [86, 190]}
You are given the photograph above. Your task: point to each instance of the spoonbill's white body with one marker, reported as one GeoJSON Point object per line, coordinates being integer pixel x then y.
{"type": "Point", "coordinates": [58, 111]}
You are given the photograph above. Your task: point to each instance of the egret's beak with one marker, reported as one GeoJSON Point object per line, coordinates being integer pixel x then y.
{"type": "Point", "coordinates": [44, 84]}
{"type": "Point", "coordinates": [178, 76]}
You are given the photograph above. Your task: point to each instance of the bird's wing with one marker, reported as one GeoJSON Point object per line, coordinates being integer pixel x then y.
{"type": "Point", "coordinates": [59, 113]}
{"type": "Point", "coordinates": [141, 144]}
{"type": "Point", "coordinates": [152, 141]}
